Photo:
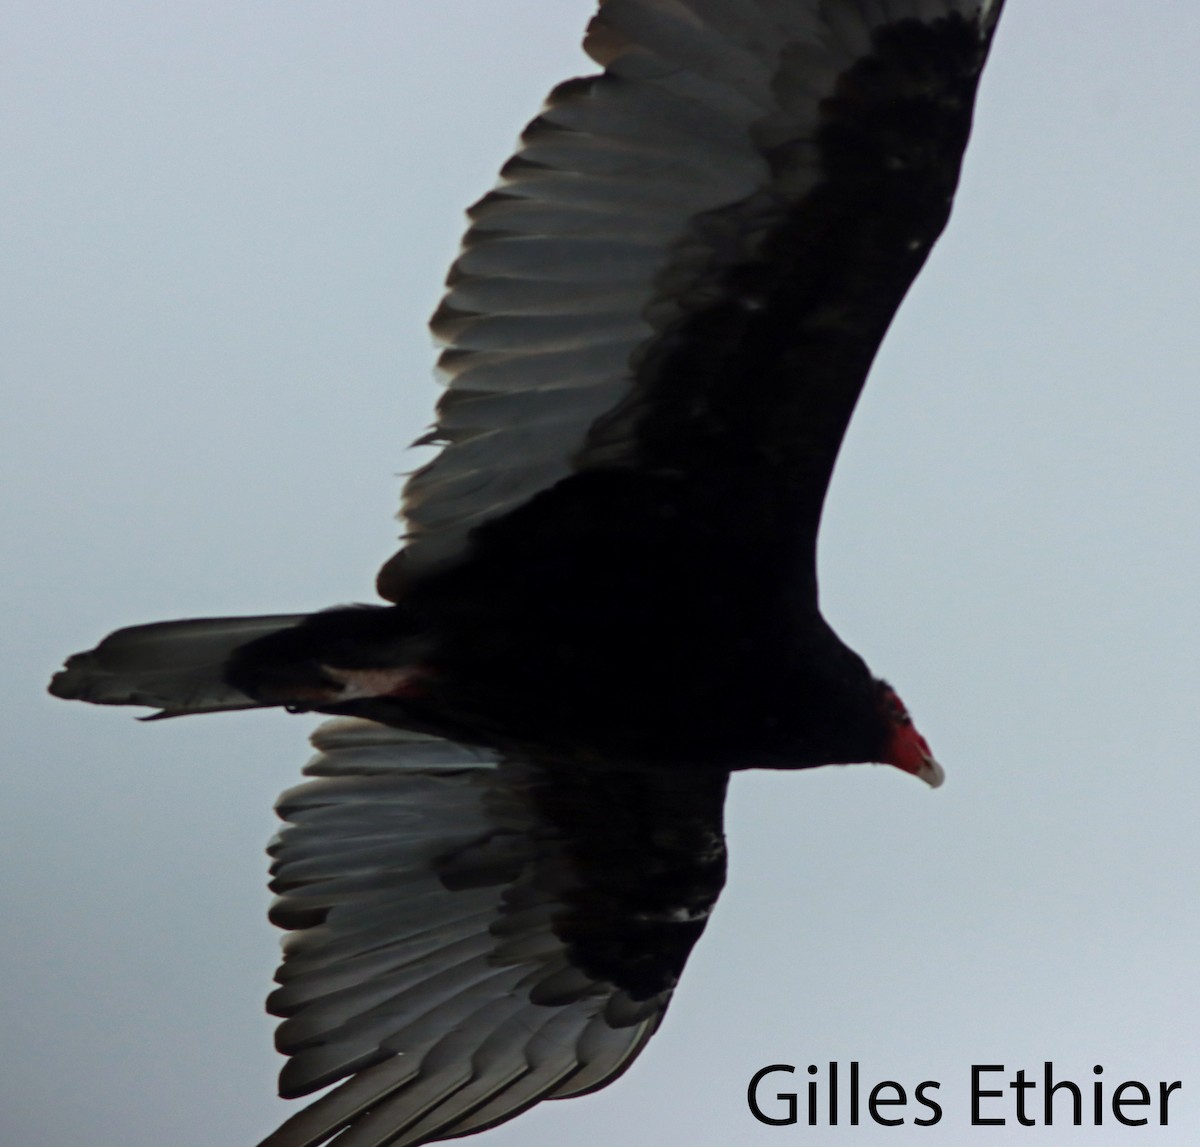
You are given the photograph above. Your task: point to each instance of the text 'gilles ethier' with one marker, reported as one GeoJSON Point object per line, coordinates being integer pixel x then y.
{"type": "Point", "coordinates": [998, 1097]}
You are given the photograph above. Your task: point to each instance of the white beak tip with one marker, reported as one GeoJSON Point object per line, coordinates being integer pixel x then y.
{"type": "Point", "coordinates": [932, 773]}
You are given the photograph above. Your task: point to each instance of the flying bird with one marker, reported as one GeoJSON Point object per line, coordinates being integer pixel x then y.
{"type": "Point", "coordinates": [606, 602]}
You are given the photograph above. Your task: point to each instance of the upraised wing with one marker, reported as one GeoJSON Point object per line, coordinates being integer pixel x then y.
{"type": "Point", "coordinates": [690, 262]}
{"type": "Point", "coordinates": [472, 935]}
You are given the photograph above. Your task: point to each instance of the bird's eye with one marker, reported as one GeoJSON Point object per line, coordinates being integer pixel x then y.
{"type": "Point", "coordinates": [896, 709]}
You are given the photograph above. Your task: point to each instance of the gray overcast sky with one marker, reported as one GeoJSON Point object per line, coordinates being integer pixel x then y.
{"type": "Point", "coordinates": [226, 225]}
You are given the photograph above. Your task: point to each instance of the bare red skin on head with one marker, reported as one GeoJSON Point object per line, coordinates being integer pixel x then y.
{"type": "Point", "coordinates": [906, 748]}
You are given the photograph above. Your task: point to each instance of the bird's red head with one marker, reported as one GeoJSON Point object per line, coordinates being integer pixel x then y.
{"type": "Point", "coordinates": [906, 748]}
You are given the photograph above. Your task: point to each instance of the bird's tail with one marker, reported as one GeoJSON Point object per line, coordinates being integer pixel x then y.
{"type": "Point", "coordinates": [177, 667]}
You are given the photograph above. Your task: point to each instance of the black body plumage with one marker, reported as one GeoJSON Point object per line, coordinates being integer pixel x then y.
{"type": "Point", "coordinates": [655, 337]}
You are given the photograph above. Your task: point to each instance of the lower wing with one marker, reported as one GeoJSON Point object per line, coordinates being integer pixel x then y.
{"type": "Point", "coordinates": [472, 934]}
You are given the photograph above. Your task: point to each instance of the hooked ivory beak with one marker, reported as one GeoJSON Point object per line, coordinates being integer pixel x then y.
{"type": "Point", "coordinates": [909, 751]}
{"type": "Point", "coordinates": [930, 772]}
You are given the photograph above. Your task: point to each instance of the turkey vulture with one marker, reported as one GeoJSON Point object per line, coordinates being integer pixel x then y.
{"type": "Point", "coordinates": [655, 336]}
